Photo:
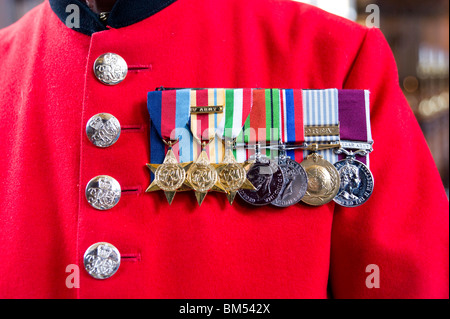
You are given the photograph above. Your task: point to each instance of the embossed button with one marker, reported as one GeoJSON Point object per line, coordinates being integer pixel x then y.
{"type": "Point", "coordinates": [110, 68]}
{"type": "Point", "coordinates": [101, 260]}
{"type": "Point", "coordinates": [103, 192]}
{"type": "Point", "coordinates": [103, 130]}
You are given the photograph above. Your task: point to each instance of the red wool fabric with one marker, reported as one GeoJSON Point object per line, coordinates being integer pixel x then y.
{"type": "Point", "coordinates": [48, 92]}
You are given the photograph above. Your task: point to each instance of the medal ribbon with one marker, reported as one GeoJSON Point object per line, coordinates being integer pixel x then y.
{"type": "Point", "coordinates": [238, 104]}
{"type": "Point", "coordinates": [292, 129]}
{"type": "Point", "coordinates": [204, 126]}
{"type": "Point", "coordinates": [169, 114]}
{"type": "Point", "coordinates": [276, 116]}
{"type": "Point", "coordinates": [354, 117]}
{"type": "Point", "coordinates": [264, 122]}
{"type": "Point", "coordinates": [320, 109]}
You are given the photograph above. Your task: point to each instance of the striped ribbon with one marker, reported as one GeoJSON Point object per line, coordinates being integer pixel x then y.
{"type": "Point", "coordinates": [320, 108]}
{"type": "Point", "coordinates": [238, 104]}
{"type": "Point", "coordinates": [169, 115]}
{"type": "Point", "coordinates": [292, 128]}
{"type": "Point", "coordinates": [263, 124]}
{"type": "Point", "coordinates": [276, 116]}
{"type": "Point", "coordinates": [204, 126]}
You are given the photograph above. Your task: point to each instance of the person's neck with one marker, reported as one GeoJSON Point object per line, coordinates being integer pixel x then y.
{"type": "Point", "coordinates": [99, 6]}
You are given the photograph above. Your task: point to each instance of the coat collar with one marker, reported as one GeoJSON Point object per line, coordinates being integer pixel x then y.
{"type": "Point", "coordinates": [124, 13]}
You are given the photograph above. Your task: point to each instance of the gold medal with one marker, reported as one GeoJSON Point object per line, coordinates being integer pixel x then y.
{"type": "Point", "coordinates": [203, 177]}
{"type": "Point", "coordinates": [323, 180]}
{"type": "Point", "coordinates": [170, 176]}
{"type": "Point", "coordinates": [233, 176]}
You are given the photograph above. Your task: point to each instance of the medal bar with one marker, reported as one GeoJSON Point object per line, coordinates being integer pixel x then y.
{"type": "Point", "coordinates": [292, 122]}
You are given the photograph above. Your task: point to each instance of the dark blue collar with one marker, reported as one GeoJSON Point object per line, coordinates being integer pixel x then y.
{"type": "Point", "coordinates": [124, 13]}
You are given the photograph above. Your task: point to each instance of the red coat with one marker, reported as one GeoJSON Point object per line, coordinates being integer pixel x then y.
{"type": "Point", "coordinates": [48, 91]}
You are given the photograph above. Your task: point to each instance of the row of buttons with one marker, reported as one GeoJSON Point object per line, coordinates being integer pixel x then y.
{"type": "Point", "coordinates": [103, 192]}
{"type": "Point", "coordinates": [102, 260]}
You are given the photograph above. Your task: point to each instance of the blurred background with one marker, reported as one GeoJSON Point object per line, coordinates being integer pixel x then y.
{"type": "Point", "coordinates": [418, 33]}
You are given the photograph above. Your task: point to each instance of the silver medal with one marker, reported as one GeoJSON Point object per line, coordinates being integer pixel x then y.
{"type": "Point", "coordinates": [357, 183]}
{"type": "Point", "coordinates": [295, 182]}
{"type": "Point", "coordinates": [267, 178]}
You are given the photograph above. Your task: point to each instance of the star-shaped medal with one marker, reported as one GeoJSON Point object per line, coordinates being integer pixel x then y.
{"type": "Point", "coordinates": [170, 176]}
{"type": "Point", "coordinates": [233, 175]}
{"type": "Point", "coordinates": [203, 177]}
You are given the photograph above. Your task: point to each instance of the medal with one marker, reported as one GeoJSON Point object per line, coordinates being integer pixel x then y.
{"type": "Point", "coordinates": [169, 112]}
{"type": "Point", "coordinates": [321, 128]}
{"type": "Point", "coordinates": [206, 113]}
{"type": "Point", "coordinates": [292, 133]}
{"type": "Point", "coordinates": [295, 182]}
{"type": "Point", "coordinates": [356, 180]}
{"type": "Point", "coordinates": [265, 174]}
{"type": "Point", "coordinates": [323, 180]}
{"type": "Point", "coordinates": [202, 176]}
{"type": "Point", "coordinates": [169, 176]}
{"type": "Point", "coordinates": [233, 175]}
{"type": "Point", "coordinates": [267, 178]}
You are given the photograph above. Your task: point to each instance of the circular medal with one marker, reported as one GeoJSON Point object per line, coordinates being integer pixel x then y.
{"type": "Point", "coordinates": [356, 185]}
{"type": "Point", "coordinates": [268, 180]}
{"type": "Point", "coordinates": [323, 180]}
{"type": "Point", "coordinates": [295, 184]}
{"type": "Point", "coordinates": [232, 177]}
{"type": "Point", "coordinates": [170, 177]}
{"type": "Point", "coordinates": [201, 175]}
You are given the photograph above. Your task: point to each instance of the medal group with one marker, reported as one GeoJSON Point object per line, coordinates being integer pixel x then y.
{"type": "Point", "coordinates": [269, 146]}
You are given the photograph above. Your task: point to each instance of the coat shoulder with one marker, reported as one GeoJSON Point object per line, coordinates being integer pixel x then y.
{"type": "Point", "coordinates": [24, 23]}
{"type": "Point", "coordinates": [300, 16]}
{"type": "Point", "coordinates": [291, 27]}
{"type": "Point", "coordinates": [21, 31]}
